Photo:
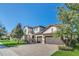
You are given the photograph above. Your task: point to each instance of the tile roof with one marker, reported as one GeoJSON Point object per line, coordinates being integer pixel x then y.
{"type": "Point", "coordinates": [56, 25]}
{"type": "Point", "coordinates": [38, 26]}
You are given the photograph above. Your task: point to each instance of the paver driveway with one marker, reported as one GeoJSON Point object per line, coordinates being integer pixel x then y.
{"type": "Point", "coordinates": [30, 50]}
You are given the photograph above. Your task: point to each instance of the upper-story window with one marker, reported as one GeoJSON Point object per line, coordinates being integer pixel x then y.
{"type": "Point", "coordinates": [36, 29]}
{"type": "Point", "coordinates": [51, 29]}
{"type": "Point", "coordinates": [25, 30]}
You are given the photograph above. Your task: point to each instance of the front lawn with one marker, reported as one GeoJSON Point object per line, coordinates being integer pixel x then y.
{"type": "Point", "coordinates": [10, 43]}
{"type": "Point", "coordinates": [66, 53]}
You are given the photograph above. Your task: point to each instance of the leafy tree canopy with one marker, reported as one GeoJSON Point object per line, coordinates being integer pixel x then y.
{"type": "Point", "coordinates": [72, 6]}
{"type": "Point", "coordinates": [17, 32]}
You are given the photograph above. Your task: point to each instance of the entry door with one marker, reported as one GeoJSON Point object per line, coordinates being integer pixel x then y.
{"type": "Point", "coordinates": [39, 39]}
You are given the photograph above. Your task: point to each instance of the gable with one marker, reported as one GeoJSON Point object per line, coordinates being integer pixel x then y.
{"type": "Point", "coordinates": [50, 30]}
{"type": "Point", "coordinates": [38, 29]}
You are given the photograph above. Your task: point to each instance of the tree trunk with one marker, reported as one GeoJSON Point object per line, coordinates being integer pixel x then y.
{"type": "Point", "coordinates": [70, 40]}
{"type": "Point", "coordinates": [18, 41]}
{"type": "Point", "coordinates": [69, 44]}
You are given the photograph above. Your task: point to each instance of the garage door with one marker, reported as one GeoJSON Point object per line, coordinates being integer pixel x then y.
{"type": "Point", "coordinates": [51, 40]}
{"type": "Point", "coordinates": [39, 39]}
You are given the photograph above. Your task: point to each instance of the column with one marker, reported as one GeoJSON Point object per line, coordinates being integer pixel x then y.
{"type": "Point", "coordinates": [36, 39]}
{"type": "Point", "coordinates": [43, 40]}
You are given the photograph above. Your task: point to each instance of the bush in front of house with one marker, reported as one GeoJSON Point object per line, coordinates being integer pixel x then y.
{"type": "Point", "coordinates": [66, 48]}
{"type": "Point", "coordinates": [76, 46]}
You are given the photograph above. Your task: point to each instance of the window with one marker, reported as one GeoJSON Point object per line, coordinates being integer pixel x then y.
{"type": "Point", "coordinates": [36, 29]}
{"type": "Point", "coordinates": [25, 30]}
{"type": "Point", "coordinates": [51, 29]}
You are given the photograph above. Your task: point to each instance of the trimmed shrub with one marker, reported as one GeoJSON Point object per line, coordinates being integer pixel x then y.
{"type": "Point", "coordinates": [76, 46]}
{"type": "Point", "coordinates": [65, 48]}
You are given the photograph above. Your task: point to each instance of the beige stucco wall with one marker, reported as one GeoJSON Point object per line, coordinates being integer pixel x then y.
{"type": "Point", "coordinates": [27, 31]}
{"type": "Point", "coordinates": [51, 29]}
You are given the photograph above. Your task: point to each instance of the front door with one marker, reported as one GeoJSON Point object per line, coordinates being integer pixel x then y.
{"type": "Point", "coordinates": [39, 39]}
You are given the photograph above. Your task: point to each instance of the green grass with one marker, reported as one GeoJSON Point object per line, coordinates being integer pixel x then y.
{"type": "Point", "coordinates": [10, 43]}
{"type": "Point", "coordinates": [74, 52]}
{"type": "Point", "coordinates": [66, 53]}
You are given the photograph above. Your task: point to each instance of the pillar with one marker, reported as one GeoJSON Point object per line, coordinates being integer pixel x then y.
{"type": "Point", "coordinates": [43, 40]}
{"type": "Point", "coordinates": [36, 39]}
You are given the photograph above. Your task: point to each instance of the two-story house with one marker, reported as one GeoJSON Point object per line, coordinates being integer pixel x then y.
{"type": "Point", "coordinates": [41, 34]}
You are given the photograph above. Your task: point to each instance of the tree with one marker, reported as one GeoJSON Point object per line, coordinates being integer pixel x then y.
{"type": "Point", "coordinates": [3, 31]}
{"type": "Point", "coordinates": [17, 32]}
{"type": "Point", "coordinates": [73, 6]}
{"type": "Point", "coordinates": [68, 19]}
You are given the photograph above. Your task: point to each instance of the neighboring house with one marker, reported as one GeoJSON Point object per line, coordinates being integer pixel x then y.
{"type": "Point", "coordinates": [4, 37]}
{"type": "Point", "coordinates": [41, 34]}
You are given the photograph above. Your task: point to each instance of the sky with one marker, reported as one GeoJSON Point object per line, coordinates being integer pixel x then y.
{"type": "Point", "coordinates": [28, 14]}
